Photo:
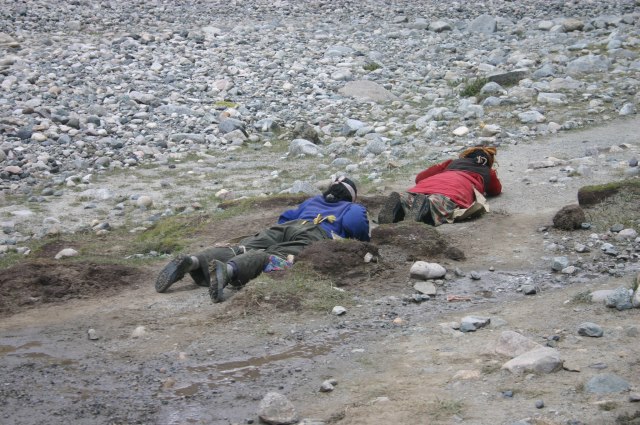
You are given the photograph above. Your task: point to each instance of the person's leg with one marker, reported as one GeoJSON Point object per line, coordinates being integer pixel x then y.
{"type": "Point", "coordinates": [196, 265]}
{"type": "Point", "coordinates": [237, 271]}
{"type": "Point", "coordinates": [392, 211]}
{"type": "Point", "coordinates": [420, 208]}
{"type": "Point", "coordinates": [240, 269]}
{"type": "Point", "coordinates": [439, 211]}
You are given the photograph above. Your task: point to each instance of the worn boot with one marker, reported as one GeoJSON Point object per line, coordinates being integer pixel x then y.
{"type": "Point", "coordinates": [173, 272]}
{"type": "Point", "coordinates": [219, 280]}
{"type": "Point", "coordinates": [392, 211]}
{"type": "Point", "coordinates": [420, 208]}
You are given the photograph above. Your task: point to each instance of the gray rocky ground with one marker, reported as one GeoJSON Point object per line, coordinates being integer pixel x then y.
{"type": "Point", "coordinates": [117, 114]}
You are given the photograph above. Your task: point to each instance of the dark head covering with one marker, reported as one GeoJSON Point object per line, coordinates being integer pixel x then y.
{"type": "Point", "coordinates": [341, 189]}
{"type": "Point", "coordinates": [482, 155]}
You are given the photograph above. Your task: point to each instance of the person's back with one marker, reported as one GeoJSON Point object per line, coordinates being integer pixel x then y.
{"type": "Point", "coordinates": [338, 218]}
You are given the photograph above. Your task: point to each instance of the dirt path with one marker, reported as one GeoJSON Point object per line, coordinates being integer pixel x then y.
{"type": "Point", "coordinates": [177, 359]}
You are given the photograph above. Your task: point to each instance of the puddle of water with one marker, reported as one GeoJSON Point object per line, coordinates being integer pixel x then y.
{"type": "Point", "coordinates": [49, 359]}
{"type": "Point", "coordinates": [6, 349]}
{"type": "Point", "coordinates": [250, 369]}
{"type": "Point", "coordinates": [245, 370]}
{"type": "Point", "coordinates": [188, 391]}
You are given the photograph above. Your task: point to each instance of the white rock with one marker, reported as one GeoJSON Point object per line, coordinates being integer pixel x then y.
{"type": "Point", "coordinates": [338, 310]}
{"type": "Point", "coordinates": [424, 270]}
{"type": "Point", "coordinates": [144, 201]}
{"type": "Point", "coordinates": [275, 408]}
{"type": "Point", "coordinates": [601, 295]}
{"type": "Point", "coordinates": [461, 131]}
{"type": "Point", "coordinates": [139, 331]}
{"type": "Point", "coordinates": [67, 252]}
{"type": "Point", "coordinates": [540, 360]}
{"type": "Point", "coordinates": [626, 234]}
{"type": "Point", "coordinates": [426, 288]}
{"type": "Point", "coordinates": [92, 334]}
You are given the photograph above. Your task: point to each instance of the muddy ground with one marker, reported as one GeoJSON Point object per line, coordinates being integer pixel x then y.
{"type": "Point", "coordinates": [176, 358]}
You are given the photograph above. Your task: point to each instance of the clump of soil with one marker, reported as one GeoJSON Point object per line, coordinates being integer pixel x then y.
{"type": "Point", "coordinates": [570, 217]}
{"type": "Point", "coordinates": [41, 282]}
{"type": "Point", "coordinates": [343, 258]}
{"type": "Point", "coordinates": [417, 240]}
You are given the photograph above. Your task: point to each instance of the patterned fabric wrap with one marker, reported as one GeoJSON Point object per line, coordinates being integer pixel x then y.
{"type": "Point", "coordinates": [276, 264]}
{"type": "Point", "coordinates": [441, 209]}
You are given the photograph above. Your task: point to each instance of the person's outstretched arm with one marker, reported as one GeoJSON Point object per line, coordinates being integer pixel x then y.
{"type": "Point", "coordinates": [292, 214]}
{"type": "Point", "coordinates": [433, 170]}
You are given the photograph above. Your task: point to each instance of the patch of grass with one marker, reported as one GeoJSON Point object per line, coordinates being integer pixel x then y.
{"type": "Point", "coordinates": [170, 234]}
{"type": "Point", "coordinates": [371, 66]}
{"type": "Point", "coordinates": [489, 368]}
{"type": "Point", "coordinates": [608, 406]}
{"type": "Point", "coordinates": [223, 104]}
{"type": "Point", "coordinates": [443, 409]}
{"type": "Point", "coordinates": [10, 258]}
{"type": "Point", "coordinates": [472, 87]}
{"type": "Point", "coordinates": [622, 207]}
{"type": "Point", "coordinates": [298, 289]}
{"type": "Point", "coordinates": [583, 297]}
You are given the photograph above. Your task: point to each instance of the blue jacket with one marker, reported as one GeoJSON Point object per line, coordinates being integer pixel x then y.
{"type": "Point", "coordinates": [351, 218]}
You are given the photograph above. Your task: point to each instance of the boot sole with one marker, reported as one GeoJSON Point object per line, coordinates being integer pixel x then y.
{"type": "Point", "coordinates": [390, 212]}
{"type": "Point", "coordinates": [172, 272]}
{"type": "Point", "coordinates": [418, 208]}
{"type": "Point", "coordinates": [216, 290]}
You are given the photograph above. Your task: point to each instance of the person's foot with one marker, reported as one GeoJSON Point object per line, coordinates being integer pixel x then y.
{"type": "Point", "coordinates": [420, 207]}
{"type": "Point", "coordinates": [173, 272]}
{"type": "Point", "coordinates": [219, 280]}
{"type": "Point", "coordinates": [391, 211]}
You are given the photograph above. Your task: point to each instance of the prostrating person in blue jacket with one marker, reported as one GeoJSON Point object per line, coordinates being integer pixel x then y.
{"type": "Point", "coordinates": [332, 215]}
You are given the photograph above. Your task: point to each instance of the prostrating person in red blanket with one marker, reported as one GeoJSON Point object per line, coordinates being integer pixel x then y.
{"type": "Point", "coordinates": [451, 190]}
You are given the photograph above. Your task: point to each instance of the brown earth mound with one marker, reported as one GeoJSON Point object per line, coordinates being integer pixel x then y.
{"type": "Point", "coordinates": [417, 240]}
{"type": "Point", "coordinates": [31, 284]}
{"type": "Point", "coordinates": [343, 258]}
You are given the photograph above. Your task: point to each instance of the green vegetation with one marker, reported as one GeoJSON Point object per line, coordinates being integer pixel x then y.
{"type": "Point", "coordinates": [371, 66]}
{"type": "Point", "coordinates": [608, 406]}
{"type": "Point", "coordinates": [299, 288]}
{"type": "Point", "coordinates": [169, 235]}
{"type": "Point", "coordinates": [583, 297]}
{"type": "Point", "coordinates": [619, 204]}
{"type": "Point", "coordinates": [223, 104]}
{"type": "Point", "coordinates": [472, 87]}
{"type": "Point", "coordinates": [444, 409]}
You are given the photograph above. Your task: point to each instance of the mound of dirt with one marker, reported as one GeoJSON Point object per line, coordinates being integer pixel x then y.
{"type": "Point", "coordinates": [417, 240]}
{"type": "Point", "coordinates": [344, 258]}
{"type": "Point", "coordinates": [34, 283]}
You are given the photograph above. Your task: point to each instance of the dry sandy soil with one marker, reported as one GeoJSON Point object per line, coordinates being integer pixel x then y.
{"type": "Point", "coordinates": [176, 358]}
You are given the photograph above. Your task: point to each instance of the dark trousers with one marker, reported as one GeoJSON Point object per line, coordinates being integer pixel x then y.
{"type": "Point", "coordinates": [252, 254]}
